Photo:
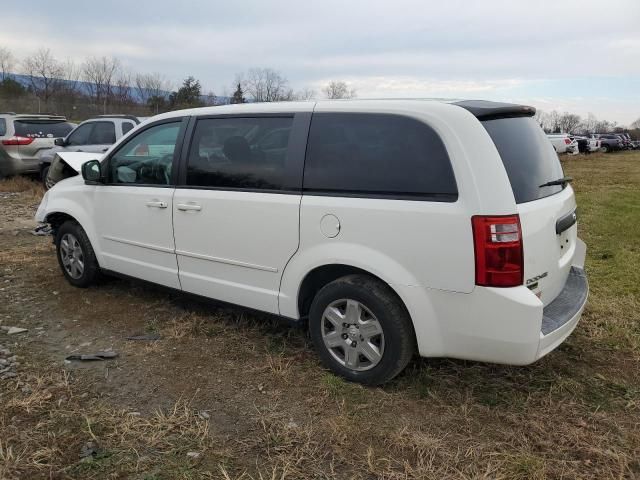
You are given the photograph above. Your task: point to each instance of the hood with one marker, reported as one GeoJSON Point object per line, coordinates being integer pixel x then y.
{"type": "Point", "coordinates": [76, 159]}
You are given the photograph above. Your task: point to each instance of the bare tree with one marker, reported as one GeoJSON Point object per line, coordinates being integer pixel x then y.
{"type": "Point", "coordinates": [589, 123]}
{"type": "Point", "coordinates": [121, 90]}
{"type": "Point", "coordinates": [540, 118]}
{"type": "Point", "coordinates": [305, 94]}
{"type": "Point", "coordinates": [44, 73]}
{"type": "Point", "coordinates": [99, 75]}
{"type": "Point", "coordinates": [635, 125]}
{"type": "Point", "coordinates": [152, 90]}
{"type": "Point", "coordinates": [7, 62]}
{"type": "Point", "coordinates": [265, 85]}
{"type": "Point", "coordinates": [568, 122]}
{"type": "Point", "coordinates": [70, 74]}
{"type": "Point", "coordinates": [338, 90]}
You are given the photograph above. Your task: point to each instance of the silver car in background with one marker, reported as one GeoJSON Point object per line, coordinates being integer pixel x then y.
{"type": "Point", "coordinates": [23, 137]}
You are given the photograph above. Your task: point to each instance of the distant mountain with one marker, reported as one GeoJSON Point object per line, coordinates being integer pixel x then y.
{"type": "Point", "coordinates": [84, 87]}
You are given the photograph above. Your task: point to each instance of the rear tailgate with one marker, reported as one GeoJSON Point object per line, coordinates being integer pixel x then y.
{"type": "Point", "coordinates": [547, 213]}
{"type": "Point", "coordinates": [43, 132]}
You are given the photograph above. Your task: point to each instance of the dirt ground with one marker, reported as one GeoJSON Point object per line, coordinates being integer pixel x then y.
{"type": "Point", "coordinates": [228, 394]}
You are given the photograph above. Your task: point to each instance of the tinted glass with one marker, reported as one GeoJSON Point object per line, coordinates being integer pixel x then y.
{"type": "Point", "coordinates": [147, 157]}
{"type": "Point", "coordinates": [103, 133]}
{"type": "Point", "coordinates": [246, 153]}
{"type": "Point", "coordinates": [42, 128]}
{"type": "Point", "coordinates": [373, 154]}
{"type": "Point", "coordinates": [527, 155]}
{"type": "Point", "coordinates": [126, 126]}
{"type": "Point", "coordinates": [80, 135]}
{"type": "Point", "coordinates": [3, 127]}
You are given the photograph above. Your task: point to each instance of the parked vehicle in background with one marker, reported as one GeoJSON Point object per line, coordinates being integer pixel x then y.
{"type": "Point", "coordinates": [24, 136]}
{"type": "Point", "coordinates": [386, 226]}
{"type": "Point", "coordinates": [563, 143]}
{"type": "Point", "coordinates": [609, 142]}
{"type": "Point", "coordinates": [95, 135]}
{"type": "Point", "coordinates": [586, 144]}
{"type": "Point", "coordinates": [635, 144]}
{"type": "Point", "coordinates": [625, 138]}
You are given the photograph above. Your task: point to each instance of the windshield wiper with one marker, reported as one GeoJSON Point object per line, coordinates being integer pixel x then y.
{"type": "Point", "coordinates": [561, 181]}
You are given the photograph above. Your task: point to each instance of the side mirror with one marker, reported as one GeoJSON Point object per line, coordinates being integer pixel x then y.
{"type": "Point", "coordinates": [59, 142]}
{"type": "Point", "coordinates": [91, 172]}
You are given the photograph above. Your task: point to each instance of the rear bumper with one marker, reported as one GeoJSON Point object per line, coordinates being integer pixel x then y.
{"type": "Point", "coordinates": [561, 316]}
{"type": "Point", "coordinates": [498, 325]}
{"type": "Point", "coordinates": [10, 165]}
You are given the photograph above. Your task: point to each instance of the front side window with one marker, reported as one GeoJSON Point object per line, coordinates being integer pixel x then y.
{"type": "Point", "coordinates": [103, 133]}
{"type": "Point", "coordinates": [245, 153]}
{"type": "Point", "coordinates": [80, 135]}
{"type": "Point", "coordinates": [146, 158]}
{"type": "Point", "coordinates": [377, 155]}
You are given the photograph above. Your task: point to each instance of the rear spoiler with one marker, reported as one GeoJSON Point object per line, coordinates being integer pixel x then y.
{"type": "Point", "coordinates": [485, 110]}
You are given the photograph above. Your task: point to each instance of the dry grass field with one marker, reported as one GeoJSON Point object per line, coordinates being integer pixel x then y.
{"type": "Point", "coordinates": [229, 395]}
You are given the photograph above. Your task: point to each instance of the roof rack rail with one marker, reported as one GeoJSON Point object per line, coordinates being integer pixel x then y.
{"type": "Point", "coordinates": [7, 113]}
{"type": "Point", "coordinates": [120, 115]}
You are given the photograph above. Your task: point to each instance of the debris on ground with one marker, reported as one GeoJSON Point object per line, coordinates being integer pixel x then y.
{"type": "Point", "coordinates": [89, 450]}
{"type": "Point", "coordinates": [8, 364]}
{"type": "Point", "coordinates": [42, 230]}
{"type": "Point", "coordinates": [148, 337]}
{"type": "Point", "coordinates": [13, 330]}
{"type": "Point", "coordinates": [92, 356]}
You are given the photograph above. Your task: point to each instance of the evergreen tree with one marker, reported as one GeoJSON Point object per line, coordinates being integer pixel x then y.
{"type": "Point", "coordinates": [238, 95]}
{"type": "Point", "coordinates": [188, 95]}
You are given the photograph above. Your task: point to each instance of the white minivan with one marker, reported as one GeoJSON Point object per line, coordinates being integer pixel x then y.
{"type": "Point", "coordinates": [390, 226]}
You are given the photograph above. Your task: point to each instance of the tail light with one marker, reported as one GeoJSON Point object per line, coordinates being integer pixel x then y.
{"type": "Point", "coordinates": [497, 242]}
{"type": "Point", "coordinates": [17, 141]}
{"type": "Point", "coordinates": [567, 141]}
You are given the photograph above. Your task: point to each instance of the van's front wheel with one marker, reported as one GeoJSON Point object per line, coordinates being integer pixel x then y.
{"type": "Point", "coordinates": [75, 255]}
{"type": "Point", "coordinates": [361, 329]}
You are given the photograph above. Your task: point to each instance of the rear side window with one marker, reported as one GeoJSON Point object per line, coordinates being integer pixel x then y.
{"type": "Point", "coordinates": [527, 155]}
{"type": "Point", "coordinates": [42, 128]}
{"type": "Point", "coordinates": [240, 153]}
{"type": "Point", "coordinates": [103, 133]}
{"type": "Point", "coordinates": [377, 155]}
{"type": "Point", "coordinates": [3, 127]}
{"type": "Point", "coordinates": [126, 126]}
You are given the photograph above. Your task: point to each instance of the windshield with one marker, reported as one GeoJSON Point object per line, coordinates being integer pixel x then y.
{"type": "Point", "coordinates": [42, 128]}
{"type": "Point", "coordinates": [527, 155]}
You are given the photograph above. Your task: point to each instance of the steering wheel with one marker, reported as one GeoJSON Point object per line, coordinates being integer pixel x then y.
{"type": "Point", "coordinates": [165, 163]}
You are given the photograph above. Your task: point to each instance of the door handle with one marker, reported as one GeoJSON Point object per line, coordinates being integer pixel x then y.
{"type": "Point", "coordinates": [157, 204]}
{"type": "Point", "coordinates": [188, 206]}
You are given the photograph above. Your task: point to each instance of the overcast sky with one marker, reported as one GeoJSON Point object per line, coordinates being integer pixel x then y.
{"type": "Point", "coordinates": [582, 56]}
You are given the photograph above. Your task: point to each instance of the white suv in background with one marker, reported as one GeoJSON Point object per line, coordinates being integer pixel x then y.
{"type": "Point", "coordinates": [95, 135]}
{"type": "Point", "coordinates": [563, 143]}
{"type": "Point", "coordinates": [391, 226]}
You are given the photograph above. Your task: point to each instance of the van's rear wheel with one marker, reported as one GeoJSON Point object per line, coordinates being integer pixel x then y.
{"type": "Point", "coordinates": [75, 255]}
{"type": "Point", "coordinates": [361, 329]}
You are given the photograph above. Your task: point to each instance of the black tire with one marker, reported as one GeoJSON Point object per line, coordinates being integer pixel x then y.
{"type": "Point", "coordinates": [386, 307]}
{"type": "Point", "coordinates": [604, 148]}
{"type": "Point", "coordinates": [43, 176]}
{"type": "Point", "coordinates": [91, 270]}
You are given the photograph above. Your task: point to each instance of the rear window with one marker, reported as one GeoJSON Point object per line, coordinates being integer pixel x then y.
{"type": "Point", "coordinates": [527, 155]}
{"type": "Point", "coordinates": [377, 155]}
{"type": "Point", "coordinates": [42, 128]}
{"type": "Point", "coordinates": [3, 127]}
